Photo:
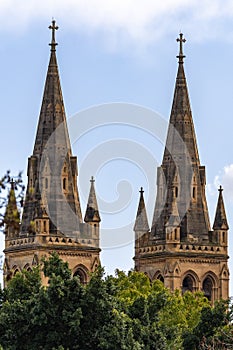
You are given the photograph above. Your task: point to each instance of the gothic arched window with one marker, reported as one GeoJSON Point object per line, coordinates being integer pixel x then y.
{"type": "Point", "coordinates": [160, 278]}
{"type": "Point", "coordinates": [82, 275]}
{"type": "Point", "coordinates": [188, 284]}
{"type": "Point", "coordinates": [208, 288]}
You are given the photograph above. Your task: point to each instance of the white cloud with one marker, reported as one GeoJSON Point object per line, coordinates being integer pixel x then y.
{"type": "Point", "coordinates": [138, 21]}
{"type": "Point", "coordinates": [225, 179]}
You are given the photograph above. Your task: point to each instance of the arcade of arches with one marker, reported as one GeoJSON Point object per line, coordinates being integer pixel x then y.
{"type": "Point", "coordinates": [190, 282]}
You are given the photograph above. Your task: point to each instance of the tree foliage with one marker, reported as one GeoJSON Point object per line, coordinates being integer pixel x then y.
{"type": "Point", "coordinates": [122, 312]}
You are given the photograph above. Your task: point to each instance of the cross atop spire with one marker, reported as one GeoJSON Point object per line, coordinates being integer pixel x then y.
{"type": "Point", "coordinates": [181, 40]}
{"type": "Point", "coordinates": [53, 27]}
{"type": "Point", "coordinates": [220, 188]}
{"type": "Point", "coordinates": [12, 182]}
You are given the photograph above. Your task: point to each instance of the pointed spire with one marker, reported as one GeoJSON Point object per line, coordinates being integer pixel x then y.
{"type": "Point", "coordinates": [52, 170]}
{"type": "Point", "coordinates": [12, 216]}
{"type": "Point", "coordinates": [141, 222]}
{"type": "Point", "coordinates": [181, 157]}
{"type": "Point", "coordinates": [92, 212]}
{"type": "Point", "coordinates": [220, 221]}
{"type": "Point", "coordinates": [181, 133]}
{"type": "Point", "coordinates": [52, 113]}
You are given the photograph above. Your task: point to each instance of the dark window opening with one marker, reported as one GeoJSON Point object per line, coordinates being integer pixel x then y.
{"type": "Point", "coordinates": [64, 184]}
{"type": "Point", "coordinates": [82, 276]}
{"type": "Point", "coordinates": [208, 288]}
{"type": "Point", "coordinates": [160, 278]}
{"type": "Point", "coordinates": [187, 284]}
{"type": "Point", "coordinates": [224, 237]}
{"type": "Point", "coordinates": [194, 192]}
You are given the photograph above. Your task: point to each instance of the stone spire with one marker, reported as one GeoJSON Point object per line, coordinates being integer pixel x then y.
{"type": "Point", "coordinates": [52, 113]}
{"type": "Point", "coordinates": [181, 169]}
{"type": "Point", "coordinates": [52, 170]}
{"type": "Point", "coordinates": [92, 212]}
{"type": "Point", "coordinates": [141, 222]}
{"type": "Point", "coordinates": [12, 216]}
{"type": "Point", "coordinates": [220, 221]}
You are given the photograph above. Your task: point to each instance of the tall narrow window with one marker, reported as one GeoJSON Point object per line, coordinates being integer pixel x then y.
{"type": "Point", "coordinates": [46, 183]}
{"type": "Point", "coordinates": [175, 233]}
{"type": "Point", "coordinates": [224, 237]}
{"type": "Point", "coordinates": [194, 192]}
{"type": "Point", "coordinates": [208, 288]}
{"type": "Point", "coordinates": [176, 192]}
{"type": "Point", "coordinates": [64, 183]}
{"type": "Point", "coordinates": [188, 284]}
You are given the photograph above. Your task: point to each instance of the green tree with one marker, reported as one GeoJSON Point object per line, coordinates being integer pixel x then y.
{"type": "Point", "coordinates": [121, 312]}
{"type": "Point", "coordinates": [210, 328]}
{"type": "Point", "coordinates": [37, 317]}
{"type": "Point", "coordinates": [57, 311]}
{"type": "Point", "coordinates": [15, 311]}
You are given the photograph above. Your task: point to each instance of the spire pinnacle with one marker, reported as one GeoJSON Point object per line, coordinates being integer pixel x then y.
{"type": "Point", "coordinates": [181, 40]}
{"type": "Point", "coordinates": [141, 222]}
{"type": "Point", "coordinates": [53, 27]}
{"type": "Point", "coordinates": [92, 211]}
{"type": "Point", "coordinates": [220, 221]}
{"type": "Point", "coordinates": [12, 216]}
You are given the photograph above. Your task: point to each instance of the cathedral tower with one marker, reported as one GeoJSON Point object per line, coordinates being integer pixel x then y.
{"type": "Point", "coordinates": [181, 249]}
{"type": "Point", "coordinates": [52, 218]}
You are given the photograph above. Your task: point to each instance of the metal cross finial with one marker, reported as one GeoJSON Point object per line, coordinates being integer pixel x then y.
{"type": "Point", "coordinates": [141, 190]}
{"type": "Point", "coordinates": [181, 40]}
{"type": "Point", "coordinates": [92, 179]}
{"type": "Point", "coordinates": [220, 188]}
{"type": "Point", "coordinates": [53, 27]}
{"type": "Point", "coordinates": [12, 182]}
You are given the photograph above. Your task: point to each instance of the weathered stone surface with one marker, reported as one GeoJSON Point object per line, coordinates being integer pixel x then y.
{"type": "Point", "coordinates": [52, 218]}
{"type": "Point", "coordinates": [181, 249]}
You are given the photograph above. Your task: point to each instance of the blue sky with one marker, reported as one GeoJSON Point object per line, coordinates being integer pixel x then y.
{"type": "Point", "coordinates": [120, 52]}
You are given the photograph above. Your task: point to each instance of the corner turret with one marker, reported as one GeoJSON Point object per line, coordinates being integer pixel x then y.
{"type": "Point", "coordinates": [220, 234]}
{"type": "Point", "coordinates": [141, 227]}
{"type": "Point", "coordinates": [92, 216]}
{"type": "Point", "coordinates": [12, 216]}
